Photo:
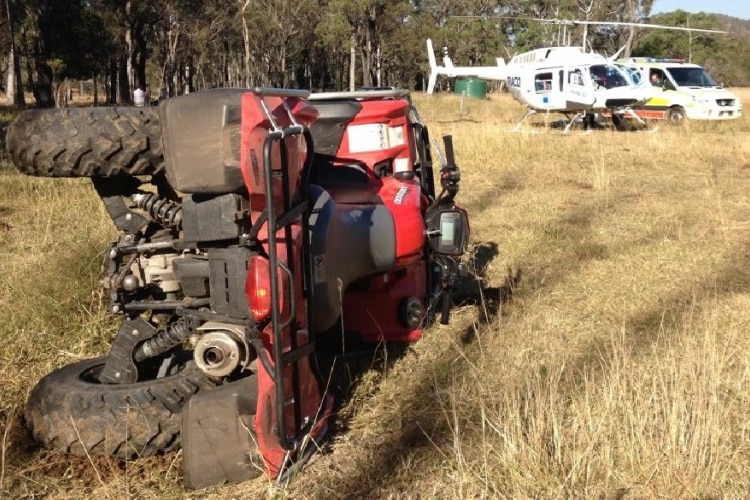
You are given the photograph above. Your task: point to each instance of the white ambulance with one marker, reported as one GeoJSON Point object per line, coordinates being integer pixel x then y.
{"type": "Point", "coordinates": [683, 90]}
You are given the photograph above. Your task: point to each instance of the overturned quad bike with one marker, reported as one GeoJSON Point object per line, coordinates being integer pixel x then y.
{"type": "Point", "coordinates": [252, 225]}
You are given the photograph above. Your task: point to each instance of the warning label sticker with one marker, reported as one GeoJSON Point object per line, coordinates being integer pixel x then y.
{"type": "Point", "coordinates": [374, 137]}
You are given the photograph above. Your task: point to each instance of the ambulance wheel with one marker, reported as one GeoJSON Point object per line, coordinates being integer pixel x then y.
{"type": "Point", "coordinates": [676, 115]}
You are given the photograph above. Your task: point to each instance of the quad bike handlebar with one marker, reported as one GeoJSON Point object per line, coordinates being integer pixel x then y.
{"type": "Point", "coordinates": [450, 174]}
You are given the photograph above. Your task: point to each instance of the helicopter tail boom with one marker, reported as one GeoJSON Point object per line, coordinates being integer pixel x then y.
{"type": "Point", "coordinates": [499, 72]}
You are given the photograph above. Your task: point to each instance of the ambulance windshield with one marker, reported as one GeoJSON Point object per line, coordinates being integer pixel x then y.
{"type": "Point", "coordinates": [692, 77]}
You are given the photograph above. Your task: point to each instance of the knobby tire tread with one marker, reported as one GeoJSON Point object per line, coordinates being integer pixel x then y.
{"type": "Point", "coordinates": [68, 414]}
{"type": "Point", "coordinates": [86, 142]}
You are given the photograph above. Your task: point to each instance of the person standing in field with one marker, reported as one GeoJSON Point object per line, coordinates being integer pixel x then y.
{"type": "Point", "coordinates": [139, 97]}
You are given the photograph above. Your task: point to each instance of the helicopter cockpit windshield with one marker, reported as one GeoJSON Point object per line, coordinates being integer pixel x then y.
{"type": "Point", "coordinates": [634, 75]}
{"type": "Point", "coordinates": [608, 76]}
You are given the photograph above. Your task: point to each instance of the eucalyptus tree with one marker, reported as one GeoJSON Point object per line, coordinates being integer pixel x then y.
{"type": "Point", "coordinates": [192, 38]}
{"type": "Point", "coordinates": [280, 30]}
{"type": "Point", "coordinates": [691, 46]}
{"type": "Point", "coordinates": [333, 46]}
{"type": "Point", "coordinates": [13, 78]}
{"type": "Point", "coordinates": [613, 38]}
{"type": "Point", "coordinates": [475, 32]}
{"type": "Point", "coordinates": [722, 54]}
{"type": "Point", "coordinates": [59, 40]}
{"type": "Point", "coordinates": [128, 24]}
{"type": "Point", "coordinates": [364, 27]}
{"type": "Point", "coordinates": [216, 44]}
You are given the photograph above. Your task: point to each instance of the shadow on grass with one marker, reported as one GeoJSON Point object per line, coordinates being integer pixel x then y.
{"type": "Point", "coordinates": [356, 376]}
{"type": "Point", "coordinates": [417, 424]}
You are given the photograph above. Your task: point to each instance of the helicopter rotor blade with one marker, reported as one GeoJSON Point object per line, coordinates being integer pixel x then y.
{"type": "Point", "coordinates": [575, 22]}
{"type": "Point", "coordinates": [646, 25]}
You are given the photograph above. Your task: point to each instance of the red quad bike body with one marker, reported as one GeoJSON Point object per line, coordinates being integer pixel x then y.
{"type": "Point", "coordinates": [280, 218]}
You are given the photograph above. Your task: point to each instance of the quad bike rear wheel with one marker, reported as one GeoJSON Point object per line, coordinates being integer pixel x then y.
{"type": "Point", "coordinates": [70, 411]}
{"type": "Point", "coordinates": [86, 142]}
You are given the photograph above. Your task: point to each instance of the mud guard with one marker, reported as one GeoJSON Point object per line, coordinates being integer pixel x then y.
{"type": "Point", "coordinates": [218, 437]}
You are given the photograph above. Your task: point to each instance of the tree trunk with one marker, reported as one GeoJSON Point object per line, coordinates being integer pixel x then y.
{"type": "Point", "coordinates": [378, 67]}
{"type": "Point", "coordinates": [170, 66]}
{"type": "Point", "coordinates": [96, 90]}
{"type": "Point", "coordinates": [353, 64]}
{"type": "Point", "coordinates": [245, 41]}
{"type": "Point", "coordinates": [225, 78]}
{"type": "Point", "coordinates": [112, 87]}
{"type": "Point", "coordinates": [123, 87]}
{"type": "Point", "coordinates": [42, 83]}
{"type": "Point", "coordinates": [43, 87]}
{"type": "Point", "coordinates": [14, 84]}
{"type": "Point", "coordinates": [189, 74]}
{"type": "Point", "coordinates": [629, 43]}
{"type": "Point", "coordinates": [10, 80]}
{"type": "Point", "coordinates": [140, 57]}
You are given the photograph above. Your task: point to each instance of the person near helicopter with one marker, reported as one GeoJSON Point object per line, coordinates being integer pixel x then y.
{"type": "Point", "coordinates": [607, 76]}
{"type": "Point", "coordinates": [598, 76]}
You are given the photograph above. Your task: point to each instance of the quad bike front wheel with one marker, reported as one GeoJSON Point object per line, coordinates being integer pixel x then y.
{"type": "Point", "coordinates": [70, 411]}
{"type": "Point", "coordinates": [86, 142]}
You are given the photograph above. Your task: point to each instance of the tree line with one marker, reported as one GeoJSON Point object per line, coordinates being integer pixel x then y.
{"type": "Point", "coordinates": [172, 47]}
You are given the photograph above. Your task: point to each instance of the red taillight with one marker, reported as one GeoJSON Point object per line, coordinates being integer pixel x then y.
{"type": "Point", "coordinates": [258, 288]}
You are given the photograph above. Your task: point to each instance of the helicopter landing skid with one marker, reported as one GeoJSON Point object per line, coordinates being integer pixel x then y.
{"type": "Point", "coordinates": [575, 120]}
{"type": "Point", "coordinates": [566, 124]}
{"type": "Point", "coordinates": [518, 126]}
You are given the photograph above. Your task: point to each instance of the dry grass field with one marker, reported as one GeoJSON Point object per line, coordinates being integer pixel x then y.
{"type": "Point", "coordinates": [619, 369]}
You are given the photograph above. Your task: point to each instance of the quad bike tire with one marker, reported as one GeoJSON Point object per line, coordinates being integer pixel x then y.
{"type": "Point", "coordinates": [86, 142]}
{"type": "Point", "coordinates": [71, 412]}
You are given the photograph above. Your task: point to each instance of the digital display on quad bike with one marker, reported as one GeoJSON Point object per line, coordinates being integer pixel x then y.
{"type": "Point", "coordinates": [448, 230]}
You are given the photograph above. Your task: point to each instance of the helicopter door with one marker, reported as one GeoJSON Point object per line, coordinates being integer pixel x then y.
{"type": "Point", "coordinates": [577, 94]}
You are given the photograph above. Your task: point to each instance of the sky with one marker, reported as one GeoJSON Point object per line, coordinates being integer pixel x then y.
{"type": "Point", "coordinates": [734, 8]}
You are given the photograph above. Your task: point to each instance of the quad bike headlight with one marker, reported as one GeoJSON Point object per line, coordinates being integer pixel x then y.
{"type": "Point", "coordinates": [447, 229]}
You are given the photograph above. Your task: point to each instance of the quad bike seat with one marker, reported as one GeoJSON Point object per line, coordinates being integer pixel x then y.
{"type": "Point", "coordinates": [346, 182]}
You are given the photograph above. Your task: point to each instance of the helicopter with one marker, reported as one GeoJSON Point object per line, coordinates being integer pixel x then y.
{"type": "Point", "coordinates": [583, 86]}
{"type": "Point", "coordinates": [563, 80]}
{"type": "Point", "coordinates": [498, 72]}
